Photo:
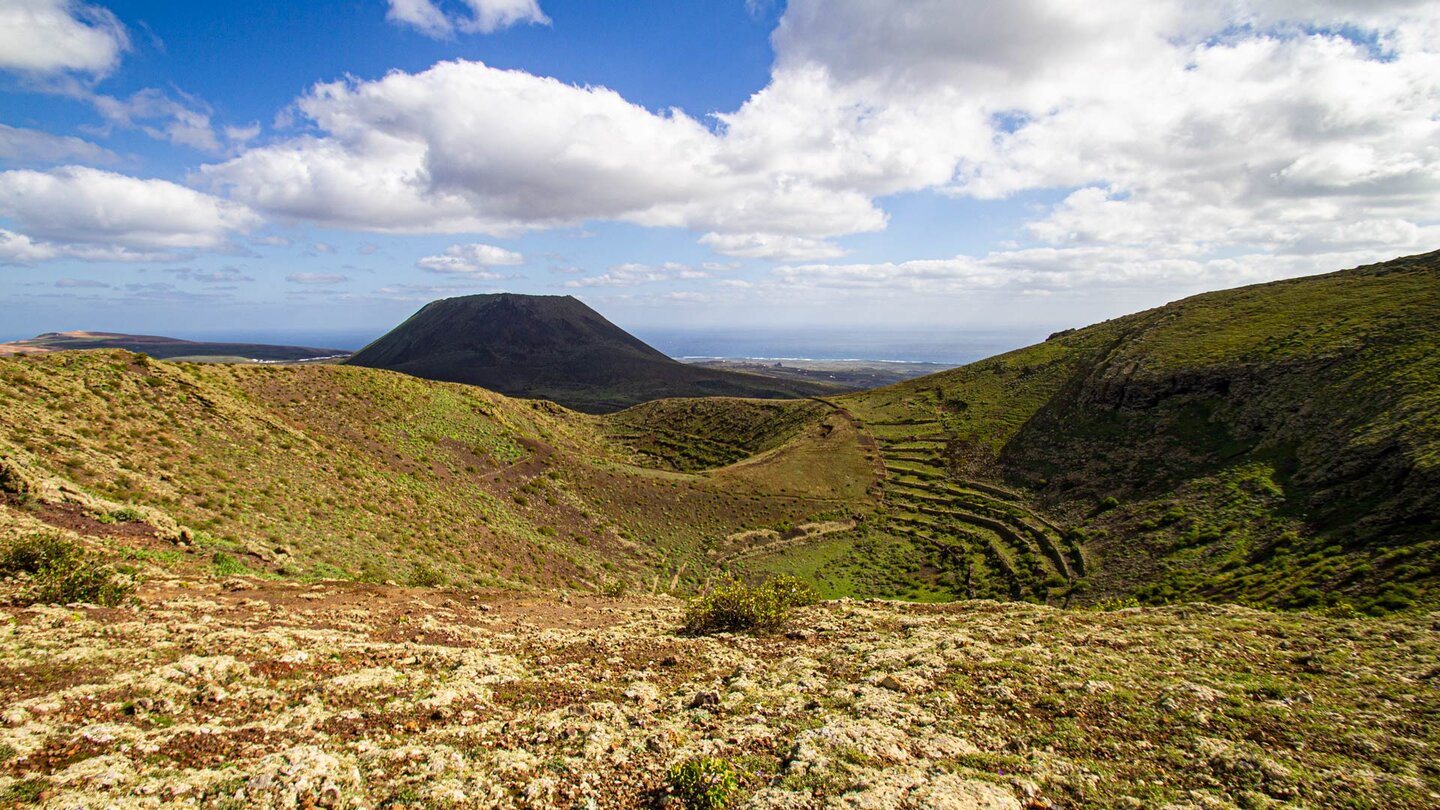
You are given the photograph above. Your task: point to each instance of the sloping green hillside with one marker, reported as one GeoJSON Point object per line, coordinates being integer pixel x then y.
{"type": "Point", "coordinates": [708, 432]}
{"type": "Point", "coordinates": [344, 471]}
{"type": "Point", "coordinates": [1277, 443]}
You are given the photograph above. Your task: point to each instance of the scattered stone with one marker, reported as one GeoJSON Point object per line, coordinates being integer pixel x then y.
{"type": "Point", "coordinates": [290, 706]}
{"type": "Point", "coordinates": [642, 692]}
{"type": "Point", "coordinates": [703, 699]}
{"type": "Point", "coordinates": [15, 717]}
{"type": "Point", "coordinates": [909, 789]}
{"type": "Point", "coordinates": [892, 683]}
{"type": "Point", "coordinates": [304, 775]}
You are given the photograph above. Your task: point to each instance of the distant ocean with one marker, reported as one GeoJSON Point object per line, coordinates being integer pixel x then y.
{"type": "Point", "coordinates": [346, 339]}
{"type": "Point", "coordinates": [916, 346]}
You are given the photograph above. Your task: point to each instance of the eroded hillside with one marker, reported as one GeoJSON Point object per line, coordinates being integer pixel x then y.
{"type": "Point", "coordinates": [348, 472]}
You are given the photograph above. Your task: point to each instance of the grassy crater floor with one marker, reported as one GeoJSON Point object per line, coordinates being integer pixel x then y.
{"type": "Point", "coordinates": [251, 693]}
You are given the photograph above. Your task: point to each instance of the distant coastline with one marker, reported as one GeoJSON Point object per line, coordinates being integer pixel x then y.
{"type": "Point", "coordinates": [696, 358]}
{"type": "Point", "coordinates": [950, 348]}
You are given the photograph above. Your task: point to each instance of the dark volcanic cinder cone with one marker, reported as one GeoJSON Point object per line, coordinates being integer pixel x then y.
{"type": "Point", "coordinates": [551, 347]}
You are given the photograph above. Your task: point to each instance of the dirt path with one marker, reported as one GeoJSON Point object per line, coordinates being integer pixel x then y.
{"type": "Point", "coordinates": [808, 532]}
{"type": "Point", "coordinates": [866, 439]}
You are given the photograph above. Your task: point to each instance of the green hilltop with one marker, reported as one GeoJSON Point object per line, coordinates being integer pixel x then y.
{"type": "Point", "coordinates": [336, 471]}
{"type": "Point", "coordinates": [1275, 444]}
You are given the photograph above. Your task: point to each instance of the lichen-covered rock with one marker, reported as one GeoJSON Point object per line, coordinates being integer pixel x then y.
{"type": "Point", "coordinates": [203, 695]}
{"type": "Point", "coordinates": [847, 737]}
{"type": "Point", "coordinates": [302, 776]}
{"type": "Point", "coordinates": [911, 789]}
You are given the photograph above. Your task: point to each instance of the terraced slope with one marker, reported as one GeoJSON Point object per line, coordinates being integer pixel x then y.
{"type": "Point", "coordinates": [1277, 444]}
{"type": "Point", "coordinates": [705, 433]}
{"type": "Point", "coordinates": [970, 539]}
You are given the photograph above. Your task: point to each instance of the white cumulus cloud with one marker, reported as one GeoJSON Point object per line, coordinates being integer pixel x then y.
{"type": "Point", "coordinates": [634, 274]}
{"type": "Point", "coordinates": [1263, 128]}
{"type": "Point", "coordinates": [52, 36]}
{"type": "Point", "coordinates": [464, 147]}
{"type": "Point", "coordinates": [477, 16]}
{"type": "Point", "coordinates": [779, 247]}
{"type": "Point", "coordinates": [474, 259]}
{"type": "Point", "coordinates": [184, 120]}
{"type": "Point", "coordinates": [18, 248]}
{"type": "Point", "coordinates": [21, 145]}
{"type": "Point", "coordinates": [1260, 129]}
{"type": "Point", "coordinates": [100, 215]}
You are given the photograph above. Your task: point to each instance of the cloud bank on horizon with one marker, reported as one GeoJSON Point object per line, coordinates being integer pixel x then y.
{"type": "Point", "coordinates": [1173, 144]}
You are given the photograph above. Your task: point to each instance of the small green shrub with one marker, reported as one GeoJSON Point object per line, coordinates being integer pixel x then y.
{"type": "Point", "coordinates": [1116, 603]}
{"type": "Point", "coordinates": [326, 571]}
{"type": "Point", "coordinates": [792, 591]}
{"type": "Point", "coordinates": [125, 514]}
{"type": "Point", "coordinates": [26, 791]}
{"type": "Point", "coordinates": [84, 582]}
{"type": "Point", "coordinates": [738, 607]}
{"type": "Point", "coordinates": [372, 572]}
{"type": "Point", "coordinates": [35, 554]}
{"type": "Point", "coordinates": [703, 783]}
{"type": "Point", "coordinates": [423, 576]}
{"type": "Point", "coordinates": [614, 588]}
{"type": "Point", "coordinates": [56, 572]}
{"type": "Point", "coordinates": [1395, 598]}
{"type": "Point", "coordinates": [1342, 610]}
{"type": "Point", "coordinates": [227, 565]}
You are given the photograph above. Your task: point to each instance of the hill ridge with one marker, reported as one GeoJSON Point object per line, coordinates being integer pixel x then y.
{"type": "Point", "coordinates": [168, 348]}
{"type": "Point", "coordinates": [1277, 442]}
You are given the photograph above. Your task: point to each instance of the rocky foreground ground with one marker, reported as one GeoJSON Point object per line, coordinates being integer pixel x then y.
{"type": "Point", "coordinates": [250, 693]}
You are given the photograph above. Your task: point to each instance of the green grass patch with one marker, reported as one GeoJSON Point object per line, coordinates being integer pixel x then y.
{"type": "Point", "coordinates": [55, 571]}
{"type": "Point", "coordinates": [737, 607]}
{"type": "Point", "coordinates": [704, 783]}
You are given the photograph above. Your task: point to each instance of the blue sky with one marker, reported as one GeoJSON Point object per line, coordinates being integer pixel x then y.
{"type": "Point", "coordinates": [933, 164]}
